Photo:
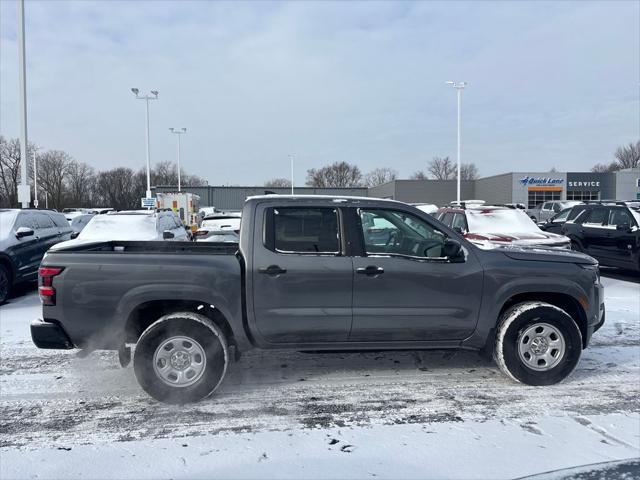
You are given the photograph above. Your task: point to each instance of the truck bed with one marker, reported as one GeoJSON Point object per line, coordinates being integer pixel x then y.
{"type": "Point", "coordinates": [155, 247]}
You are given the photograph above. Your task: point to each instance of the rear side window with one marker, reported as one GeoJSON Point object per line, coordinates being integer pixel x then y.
{"type": "Point", "coordinates": [44, 221]}
{"type": "Point", "coordinates": [620, 216]}
{"type": "Point", "coordinates": [59, 220]}
{"type": "Point", "coordinates": [447, 219]}
{"type": "Point", "coordinates": [302, 230]}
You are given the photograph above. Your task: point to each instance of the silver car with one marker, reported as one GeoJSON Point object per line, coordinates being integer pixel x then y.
{"type": "Point", "coordinates": [546, 210]}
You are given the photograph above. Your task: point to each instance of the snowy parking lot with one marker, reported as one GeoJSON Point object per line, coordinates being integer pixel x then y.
{"type": "Point", "coordinates": [437, 414]}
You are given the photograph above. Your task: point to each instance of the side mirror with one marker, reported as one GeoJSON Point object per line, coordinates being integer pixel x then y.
{"type": "Point", "coordinates": [625, 227]}
{"type": "Point", "coordinates": [24, 232]}
{"type": "Point", "coordinates": [167, 235]}
{"type": "Point", "coordinates": [458, 230]}
{"type": "Point", "coordinates": [452, 249]}
{"type": "Point", "coordinates": [74, 235]}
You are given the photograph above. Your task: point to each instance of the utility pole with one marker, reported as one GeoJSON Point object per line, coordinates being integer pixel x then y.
{"type": "Point", "coordinates": [24, 192]}
{"type": "Point", "coordinates": [146, 98]}
{"type": "Point", "coordinates": [35, 177]}
{"type": "Point", "coordinates": [291, 159]}
{"type": "Point", "coordinates": [179, 132]}
{"type": "Point", "coordinates": [459, 86]}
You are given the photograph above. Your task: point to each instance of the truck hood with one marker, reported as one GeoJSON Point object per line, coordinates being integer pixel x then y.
{"type": "Point", "coordinates": [546, 255]}
{"type": "Point", "coordinates": [520, 238]}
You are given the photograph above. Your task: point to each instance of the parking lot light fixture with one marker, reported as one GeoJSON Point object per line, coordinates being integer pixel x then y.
{"type": "Point", "coordinates": [179, 132]}
{"type": "Point", "coordinates": [459, 86]}
{"type": "Point", "coordinates": [146, 98]}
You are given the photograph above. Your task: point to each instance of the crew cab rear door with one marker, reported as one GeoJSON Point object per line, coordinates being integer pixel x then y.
{"type": "Point", "coordinates": [302, 281]}
{"type": "Point", "coordinates": [404, 289]}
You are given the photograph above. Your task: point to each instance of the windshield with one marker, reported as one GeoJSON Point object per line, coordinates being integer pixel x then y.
{"type": "Point", "coordinates": [504, 221]}
{"type": "Point", "coordinates": [120, 227]}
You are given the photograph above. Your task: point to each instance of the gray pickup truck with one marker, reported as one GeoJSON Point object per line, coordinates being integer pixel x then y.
{"type": "Point", "coordinates": [318, 273]}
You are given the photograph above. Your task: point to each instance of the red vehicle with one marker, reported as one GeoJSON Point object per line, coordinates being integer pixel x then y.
{"type": "Point", "coordinates": [490, 226]}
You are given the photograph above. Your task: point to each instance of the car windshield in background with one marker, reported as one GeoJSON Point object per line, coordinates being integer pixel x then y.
{"type": "Point", "coordinates": [507, 220]}
{"type": "Point", "coordinates": [120, 227]}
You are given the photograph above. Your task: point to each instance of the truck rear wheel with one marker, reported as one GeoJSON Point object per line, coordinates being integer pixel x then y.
{"type": "Point", "coordinates": [181, 358]}
{"type": "Point", "coordinates": [537, 343]}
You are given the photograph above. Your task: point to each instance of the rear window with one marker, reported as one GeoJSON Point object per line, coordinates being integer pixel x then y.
{"type": "Point", "coordinates": [302, 230]}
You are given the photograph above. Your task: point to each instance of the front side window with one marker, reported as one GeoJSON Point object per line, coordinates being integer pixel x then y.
{"type": "Point", "coordinates": [562, 216]}
{"type": "Point", "coordinates": [303, 230]}
{"type": "Point", "coordinates": [390, 232]}
{"type": "Point", "coordinates": [459, 223]}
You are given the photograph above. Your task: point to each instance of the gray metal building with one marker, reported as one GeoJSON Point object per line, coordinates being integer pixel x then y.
{"type": "Point", "coordinates": [232, 198]}
{"type": "Point", "coordinates": [530, 188]}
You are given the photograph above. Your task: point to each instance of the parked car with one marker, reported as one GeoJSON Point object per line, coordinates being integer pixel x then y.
{"type": "Point", "coordinates": [546, 210]}
{"type": "Point", "coordinates": [490, 226]}
{"type": "Point", "coordinates": [145, 225]}
{"type": "Point", "coordinates": [306, 277]}
{"type": "Point", "coordinates": [221, 221]}
{"type": "Point", "coordinates": [609, 232]}
{"type": "Point", "coordinates": [25, 236]}
{"type": "Point", "coordinates": [222, 236]}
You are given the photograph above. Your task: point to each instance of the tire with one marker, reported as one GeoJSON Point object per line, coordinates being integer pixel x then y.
{"type": "Point", "coordinates": [181, 358]}
{"type": "Point", "coordinates": [519, 334]}
{"type": "Point", "coordinates": [5, 284]}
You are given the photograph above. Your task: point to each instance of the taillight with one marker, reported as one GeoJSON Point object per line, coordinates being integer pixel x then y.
{"type": "Point", "coordinates": [45, 284]}
{"type": "Point", "coordinates": [200, 233]}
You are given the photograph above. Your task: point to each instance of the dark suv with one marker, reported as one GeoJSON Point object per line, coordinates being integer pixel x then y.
{"type": "Point", "coordinates": [608, 231]}
{"type": "Point", "coordinates": [25, 236]}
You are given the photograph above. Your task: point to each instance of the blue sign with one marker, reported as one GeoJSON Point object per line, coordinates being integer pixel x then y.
{"type": "Point", "coordinates": [148, 202]}
{"type": "Point", "coordinates": [541, 181]}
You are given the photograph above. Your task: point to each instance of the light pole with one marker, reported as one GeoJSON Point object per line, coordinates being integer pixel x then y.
{"type": "Point", "coordinates": [146, 98]}
{"type": "Point", "coordinates": [24, 192]}
{"type": "Point", "coordinates": [35, 177]}
{"type": "Point", "coordinates": [291, 160]}
{"type": "Point", "coordinates": [459, 86]}
{"type": "Point", "coordinates": [179, 132]}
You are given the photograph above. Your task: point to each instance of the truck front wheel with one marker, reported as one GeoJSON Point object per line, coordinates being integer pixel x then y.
{"type": "Point", "coordinates": [537, 343]}
{"type": "Point", "coordinates": [181, 358]}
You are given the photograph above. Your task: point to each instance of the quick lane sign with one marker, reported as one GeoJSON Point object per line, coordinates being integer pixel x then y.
{"type": "Point", "coordinates": [541, 181]}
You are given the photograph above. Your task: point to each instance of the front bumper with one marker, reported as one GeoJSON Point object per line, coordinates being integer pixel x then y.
{"type": "Point", "coordinates": [50, 335]}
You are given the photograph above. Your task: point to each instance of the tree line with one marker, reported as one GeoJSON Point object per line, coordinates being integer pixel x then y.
{"type": "Point", "coordinates": [626, 156]}
{"type": "Point", "coordinates": [344, 174]}
{"type": "Point", "coordinates": [65, 182]}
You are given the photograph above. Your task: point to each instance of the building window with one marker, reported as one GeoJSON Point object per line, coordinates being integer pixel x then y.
{"type": "Point", "coordinates": [583, 195]}
{"type": "Point", "coordinates": [536, 197]}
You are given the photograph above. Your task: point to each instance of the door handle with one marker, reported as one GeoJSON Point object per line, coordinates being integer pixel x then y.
{"type": "Point", "coordinates": [272, 270]}
{"type": "Point", "coordinates": [370, 270]}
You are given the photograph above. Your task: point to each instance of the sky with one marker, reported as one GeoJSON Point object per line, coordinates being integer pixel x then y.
{"type": "Point", "coordinates": [551, 84]}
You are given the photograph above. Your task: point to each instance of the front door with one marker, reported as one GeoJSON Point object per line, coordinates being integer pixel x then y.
{"type": "Point", "coordinates": [302, 281]}
{"type": "Point", "coordinates": [595, 232]}
{"type": "Point", "coordinates": [404, 289]}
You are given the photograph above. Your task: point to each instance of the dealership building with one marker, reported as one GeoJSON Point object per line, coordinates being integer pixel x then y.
{"type": "Point", "coordinates": [529, 188]}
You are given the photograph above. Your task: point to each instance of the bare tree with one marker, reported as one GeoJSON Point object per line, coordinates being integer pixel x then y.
{"type": "Point", "coordinates": [338, 174]}
{"type": "Point", "coordinates": [278, 183]}
{"type": "Point", "coordinates": [193, 180]}
{"type": "Point", "coordinates": [442, 168]}
{"type": "Point", "coordinates": [379, 176]}
{"type": "Point", "coordinates": [628, 156]}
{"type": "Point", "coordinates": [164, 173]}
{"type": "Point", "coordinates": [468, 171]}
{"type": "Point", "coordinates": [81, 184]}
{"type": "Point", "coordinates": [9, 171]}
{"type": "Point", "coordinates": [419, 175]}
{"type": "Point", "coordinates": [603, 168]}
{"type": "Point", "coordinates": [119, 188]}
{"type": "Point", "coordinates": [53, 167]}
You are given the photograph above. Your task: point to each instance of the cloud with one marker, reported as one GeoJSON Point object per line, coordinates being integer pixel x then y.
{"type": "Point", "coordinates": [551, 84]}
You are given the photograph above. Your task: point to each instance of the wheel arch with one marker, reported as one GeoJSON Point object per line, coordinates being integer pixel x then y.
{"type": "Point", "coordinates": [144, 314]}
{"type": "Point", "coordinates": [561, 300]}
